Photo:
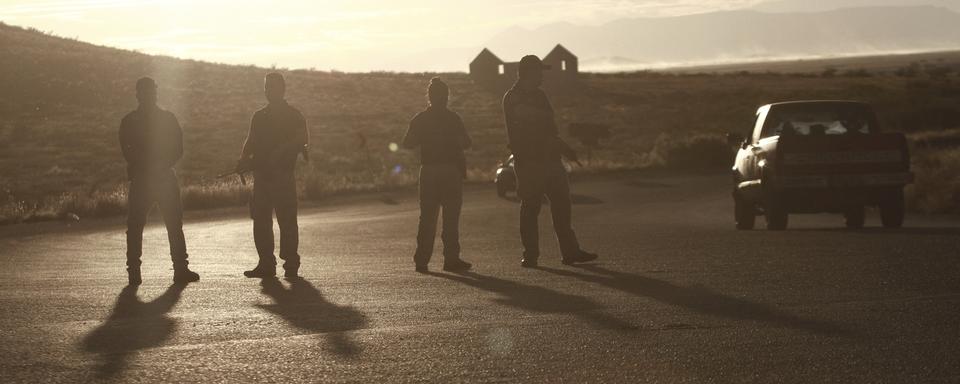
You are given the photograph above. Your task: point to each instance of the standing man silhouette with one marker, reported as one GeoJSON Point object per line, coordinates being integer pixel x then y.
{"type": "Point", "coordinates": [278, 133]}
{"type": "Point", "coordinates": [152, 143]}
{"type": "Point", "coordinates": [535, 142]}
{"type": "Point", "coordinates": [441, 137]}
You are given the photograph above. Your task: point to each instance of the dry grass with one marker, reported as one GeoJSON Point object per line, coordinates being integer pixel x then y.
{"type": "Point", "coordinates": [936, 163]}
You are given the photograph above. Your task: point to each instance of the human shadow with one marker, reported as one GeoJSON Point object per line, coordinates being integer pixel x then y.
{"type": "Point", "coordinates": [912, 231]}
{"type": "Point", "coordinates": [304, 307]}
{"type": "Point", "coordinates": [575, 199]}
{"type": "Point", "coordinates": [584, 200]}
{"type": "Point", "coordinates": [647, 184]}
{"type": "Point", "coordinates": [133, 325]}
{"type": "Point", "coordinates": [538, 299]}
{"type": "Point", "coordinates": [511, 198]}
{"type": "Point", "coordinates": [699, 299]}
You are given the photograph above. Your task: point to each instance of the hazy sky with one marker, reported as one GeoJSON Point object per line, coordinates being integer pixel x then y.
{"type": "Point", "coordinates": [350, 35]}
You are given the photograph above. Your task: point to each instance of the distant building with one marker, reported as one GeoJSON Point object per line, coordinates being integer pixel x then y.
{"type": "Point", "coordinates": [486, 67]}
{"type": "Point", "coordinates": [489, 69]}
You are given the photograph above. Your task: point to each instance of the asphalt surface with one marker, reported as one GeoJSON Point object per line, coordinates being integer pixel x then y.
{"type": "Point", "coordinates": [678, 296]}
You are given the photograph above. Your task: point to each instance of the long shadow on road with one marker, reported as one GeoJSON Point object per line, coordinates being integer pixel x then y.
{"type": "Point", "coordinates": [912, 231]}
{"type": "Point", "coordinates": [304, 307]}
{"type": "Point", "coordinates": [700, 300]}
{"type": "Point", "coordinates": [539, 299]}
{"type": "Point", "coordinates": [133, 325]}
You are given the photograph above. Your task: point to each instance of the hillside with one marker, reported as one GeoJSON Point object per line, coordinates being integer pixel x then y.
{"type": "Point", "coordinates": [61, 101]}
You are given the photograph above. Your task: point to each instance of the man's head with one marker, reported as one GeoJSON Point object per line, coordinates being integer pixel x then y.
{"type": "Point", "coordinates": [438, 93]}
{"type": "Point", "coordinates": [530, 71]}
{"type": "Point", "coordinates": [146, 92]}
{"type": "Point", "coordinates": [274, 87]}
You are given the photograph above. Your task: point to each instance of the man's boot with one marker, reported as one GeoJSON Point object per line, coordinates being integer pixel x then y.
{"type": "Point", "coordinates": [580, 257]}
{"type": "Point", "coordinates": [184, 275]}
{"type": "Point", "coordinates": [133, 276]}
{"type": "Point", "coordinates": [456, 265]}
{"type": "Point", "coordinates": [262, 271]}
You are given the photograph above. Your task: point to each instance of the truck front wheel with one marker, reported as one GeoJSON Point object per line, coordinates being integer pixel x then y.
{"type": "Point", "coordinates": [855, 217]}
{"type": "Point", "coordinates": [892, 210]}
{"type": "Point", "coordinates": [775, 212]}
{"type": "Point", "coordinates": [743, 212]}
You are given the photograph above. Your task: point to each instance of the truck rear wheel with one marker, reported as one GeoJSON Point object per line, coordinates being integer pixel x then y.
{"type": "Point", "coordinates": [744, 213]}
{"type": "Point", "coordinates": [501, 189]}
{"type": "Point", "coordinates": [892, 210]}
{"type": "Point", "coordinates": [775, 213]}
{"type": "Point", "coordinates": [855, 217]}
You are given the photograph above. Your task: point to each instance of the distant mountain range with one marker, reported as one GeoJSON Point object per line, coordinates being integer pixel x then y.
{"type": "Point", "coordinates": [829, 5]}
{"type": "Point", "coordinates": [745, 35]}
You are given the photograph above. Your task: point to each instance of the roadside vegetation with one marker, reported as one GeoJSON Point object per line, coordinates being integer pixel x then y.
{"type": "Point", "coordinates": [61, 102]}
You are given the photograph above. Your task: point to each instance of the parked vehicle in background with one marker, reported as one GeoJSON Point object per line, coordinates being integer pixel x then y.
{"type": "Point", "coordinates": [819, 156]}
{"type": "Point", "coordinates": [506, 177]}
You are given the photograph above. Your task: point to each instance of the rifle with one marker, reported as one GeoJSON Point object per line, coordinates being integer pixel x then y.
{"type": "Point", "coordinates": [243, 167]}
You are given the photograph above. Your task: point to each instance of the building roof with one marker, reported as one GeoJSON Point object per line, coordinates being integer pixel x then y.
{"type": "Point", "coordinates": [486, 56]}
{"type": "Point", "coordinates": [561, 52]}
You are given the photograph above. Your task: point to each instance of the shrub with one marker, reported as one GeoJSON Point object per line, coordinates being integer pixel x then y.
{"type": "Point", "coordinates": [700, 152]}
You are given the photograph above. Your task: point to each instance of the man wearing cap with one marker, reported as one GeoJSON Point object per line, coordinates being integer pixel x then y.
{"type": "Point", "coordinates": [441, 137]}
{"type": "Point", "coordinates": [152, 143]}
{"type": "Point", "coordinates": [278, 134]}
{"type": "Point", "coordinates": [535, 142]}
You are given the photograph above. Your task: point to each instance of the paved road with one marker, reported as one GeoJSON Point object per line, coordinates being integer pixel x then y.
{"type": "Point", "coordinates": [678, 296]}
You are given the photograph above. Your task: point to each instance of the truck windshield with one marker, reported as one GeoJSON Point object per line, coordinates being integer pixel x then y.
{"type": "Point", "coordinates": [819, 121]}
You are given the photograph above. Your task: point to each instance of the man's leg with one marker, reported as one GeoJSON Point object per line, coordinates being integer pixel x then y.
{"type": "Point", "coordinates": [451, 201]}
{"type": "Point", "coordinates": [530, 189]}
{"type": "Point", "coordinates": [429, 209]}
{"type": "Point", "coordinates": [263, 227]}
{"type": "Point", "coordinates": [285, 191]}
{"type": "Point", "coordinates": [138, 204]}
{"type": "Point", "coordinates": [558, 191]}
{"type": "Point", "coordinates": [171, 207]}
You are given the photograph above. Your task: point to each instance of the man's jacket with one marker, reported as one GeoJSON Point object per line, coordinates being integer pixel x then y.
{"type": "Point", "coordinates": [151, 141]}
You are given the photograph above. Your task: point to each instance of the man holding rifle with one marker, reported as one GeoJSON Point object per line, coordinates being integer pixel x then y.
{"type": "Point", "coordinates": [278, 133]}
{"type": "Point", "coordinates": [535, 142]}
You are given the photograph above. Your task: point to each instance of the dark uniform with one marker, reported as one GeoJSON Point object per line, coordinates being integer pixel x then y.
{"type": "Point", "coordinates": [278, 134]}
{"type": "Point", "coordinates": [537, 147]}
{"type": "Point", "coordinates": [441, 137]}
{"type": "Point", "coordinates": [152, 143]}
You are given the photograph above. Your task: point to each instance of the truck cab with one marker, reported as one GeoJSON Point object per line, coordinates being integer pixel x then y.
{"type": "Point", "coordinates": [815, 157]}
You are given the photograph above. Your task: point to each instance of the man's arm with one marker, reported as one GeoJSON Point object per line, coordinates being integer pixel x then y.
{"type": "Point", "coordinates": [247, 151]}
{"type": "Point", "coordinates": [565, 149]}
{"type": "Point", "coordinates": [514, 139]}
{"type": "Point", "coordinates": [296, 139]}
{"type": "Point", "coordinates": [125, 143]}
{"type": "Point", "coordinates": [465, 141]}
{"type": "Point", "coordinates": [411, 139]}
{"type": "Point", "coordinates": [176, 153]}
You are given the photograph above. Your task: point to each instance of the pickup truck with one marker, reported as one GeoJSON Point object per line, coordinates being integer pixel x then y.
{"type": "Point", "coordinates": [815, 157]}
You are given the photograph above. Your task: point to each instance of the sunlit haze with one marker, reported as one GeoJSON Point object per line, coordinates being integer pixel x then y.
{"type": "Point", "coordinates": [344, 35]}
{"type": "Point", "coordinates": [355, 35]}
